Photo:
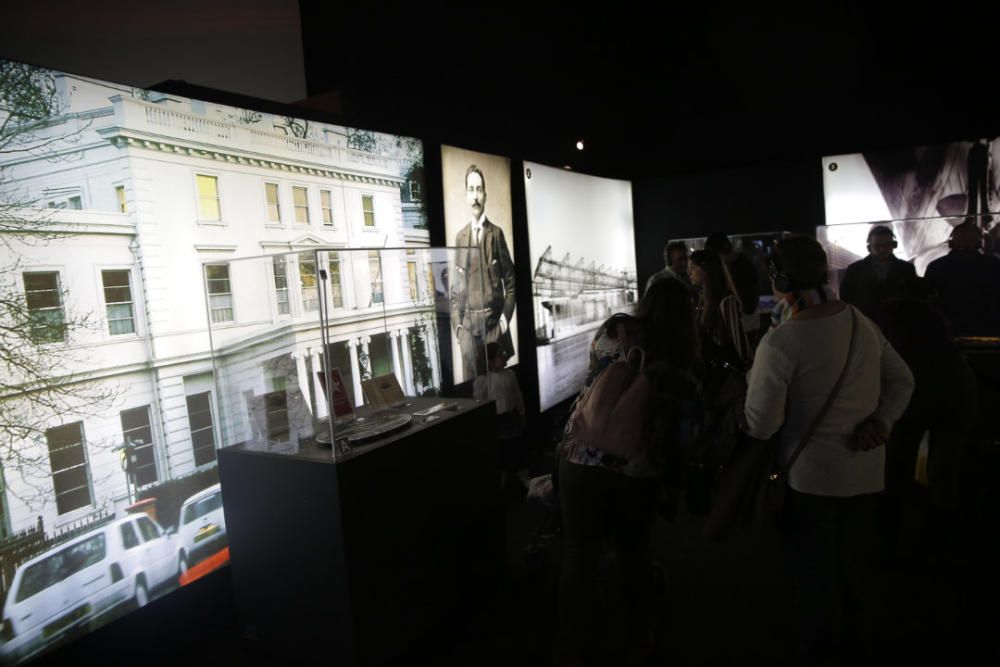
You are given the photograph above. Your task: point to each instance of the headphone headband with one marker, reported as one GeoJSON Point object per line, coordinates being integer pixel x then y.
{"type": "Point", "coordinates": [879, 230]}
{"type": "Point", "coordinates": [781, 280]}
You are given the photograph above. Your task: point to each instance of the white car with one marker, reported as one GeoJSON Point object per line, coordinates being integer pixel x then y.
{"type": "Point", "coordinates": [77, 585]}
{"type": "Point", "coordinates": [201, 527]}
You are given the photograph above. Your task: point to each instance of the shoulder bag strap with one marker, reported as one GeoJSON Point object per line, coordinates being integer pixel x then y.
{"type": "Point", "coordinates": [829, 401]}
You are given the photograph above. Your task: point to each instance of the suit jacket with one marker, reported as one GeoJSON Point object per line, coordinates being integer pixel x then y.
{"type": "Point", "coordinates": [862, 288]}
{"type": "Point", "coordinates": [498, 277]}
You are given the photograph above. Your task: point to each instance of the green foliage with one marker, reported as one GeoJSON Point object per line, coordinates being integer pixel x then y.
{"type": "Point", "coordinates": [28, 99]}
{"type": "Point", "coordinates": [407, 150]}
{"type": "Point", "coordinates": [422, 375]}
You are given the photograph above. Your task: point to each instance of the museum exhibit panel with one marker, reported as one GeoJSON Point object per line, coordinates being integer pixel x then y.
{"type": "Point", "coordinates": [939, 205]}
{"type": "Point", "coordinates": [580, 231]}
{"type": "Point", "coordinates": [362, 493]}
{"type": "Point", "coordinates": [113, 199]}
{"type": "Point", "coordinates": [478, 211]}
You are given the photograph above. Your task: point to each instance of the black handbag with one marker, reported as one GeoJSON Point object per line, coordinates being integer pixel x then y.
{"type": "Point", "coordinates": [750, 486]}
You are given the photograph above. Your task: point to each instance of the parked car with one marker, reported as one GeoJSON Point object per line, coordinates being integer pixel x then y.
{"type": "Point", "coordinates": [201, 528]}
{"type": "Point", "coordinates": [77, 585]}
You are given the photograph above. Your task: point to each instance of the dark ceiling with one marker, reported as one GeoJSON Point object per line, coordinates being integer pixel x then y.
{"type": "Point", "coordinates": [653, 90]}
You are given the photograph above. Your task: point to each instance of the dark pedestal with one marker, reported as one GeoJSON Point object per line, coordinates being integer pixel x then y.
{"type": "Point", "coordinates": [357, 559]}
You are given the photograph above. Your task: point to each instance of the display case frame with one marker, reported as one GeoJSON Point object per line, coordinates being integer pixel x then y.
{"type": "Point", "coordinates": [298, 336]}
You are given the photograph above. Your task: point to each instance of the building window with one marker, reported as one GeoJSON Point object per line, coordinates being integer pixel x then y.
{"type": "Point", "coordinates": [430, 279]}
{"type": "Point", "coordinates": [220, 294]}
{"type": "Point", "coordinates": [273, 205]}
{"type": "Point", "coordinates": [301, 201]}
{"type": "Point", "coordinates": [74, 203]}
{"type": "Point", "coordinates": [138, 435]}
{"type": "Point", "coordinates": [208, 198]}
{"type": "Point", "coordinates": [326, 204]}
{"type": "Point", "coordinates": [281, 285]}
{"type": "Point", "coordinates": [118, 301]}
{"type": "Point", "coordinates": [375, 271]}
{"type": "Point", "coordinates": [414, 191]}
{"type": "Point", "coordinates": [368, 208]}
{"type": "Point", "coordinates": [336, 289]}
{"type": "Point", "coordinates": [129, 539]}
{"type": "Point", "coordinates": [307, 281]}
{"type": "Point", "coordinates": [199, 407]}
{"type": "Point", "coordinates": [70, 198]}
{"type": "Point", "coordinates": [46, 318]}
{"type": "Point", "coordinates": [68, 460]}
{"type": "Point", "coordinates": [120, 198]}
{"type": "Point", "coordinates": [411, 273]}
{"type": "Point", "coordinates": [149, 530]}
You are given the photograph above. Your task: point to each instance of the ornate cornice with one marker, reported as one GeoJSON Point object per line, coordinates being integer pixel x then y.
{"type": "Point", "coordinates": [122, 138]}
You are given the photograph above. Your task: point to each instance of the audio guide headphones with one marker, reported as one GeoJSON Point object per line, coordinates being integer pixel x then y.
{"type": "Point", "coordinates": [959, 230]}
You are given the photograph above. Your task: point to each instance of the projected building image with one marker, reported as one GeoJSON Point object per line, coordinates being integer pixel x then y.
{"type": "Point", "coordinates": [118, 208]}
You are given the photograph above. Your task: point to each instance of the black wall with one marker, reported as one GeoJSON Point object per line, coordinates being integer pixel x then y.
{"type": "Point", "coordinates": [770, 197]}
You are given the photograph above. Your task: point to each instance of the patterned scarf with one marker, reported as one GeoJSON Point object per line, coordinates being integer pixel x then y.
{"type": "Point", "coordinates": [799, 301]}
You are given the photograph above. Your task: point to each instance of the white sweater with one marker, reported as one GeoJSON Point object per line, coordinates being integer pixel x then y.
{"type": "Point", "coordinates": [796, 366]}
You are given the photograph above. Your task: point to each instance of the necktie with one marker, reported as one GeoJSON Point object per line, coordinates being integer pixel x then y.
{"type": "Point", "coordinates": [477, 230]}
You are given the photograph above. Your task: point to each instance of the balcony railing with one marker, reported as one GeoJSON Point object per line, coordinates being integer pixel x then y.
{"type": "Point", "coordinates": [138, 115]}
{"type": "Point", "coordinates": [291, 144]}
{"type": "Point", "coordinates": [187, 124]}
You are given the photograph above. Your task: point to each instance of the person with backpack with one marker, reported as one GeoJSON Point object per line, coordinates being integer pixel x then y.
{"type": "Point", "coordinates": [638, 410]}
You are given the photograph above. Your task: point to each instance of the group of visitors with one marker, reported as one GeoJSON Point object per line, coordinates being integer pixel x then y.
{"type": "Point", "coordinates": [845, 388]}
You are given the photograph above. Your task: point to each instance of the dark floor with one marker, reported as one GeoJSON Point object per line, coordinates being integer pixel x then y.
{"type": "Point", "coordinates": [722, 603]}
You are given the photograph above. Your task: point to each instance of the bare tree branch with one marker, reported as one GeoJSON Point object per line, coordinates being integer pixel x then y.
{"type": "Point", "coordinates": [39, 387]}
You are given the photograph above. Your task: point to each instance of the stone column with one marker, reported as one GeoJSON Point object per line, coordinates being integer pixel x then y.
{"type": "Point", "coordinates": [430, 347]}
{"type": "Point", "coordinates": [394, 342]}
{"type": "Point", "coordinates": [365, 340]}
{"type": "Point", "coordinates": [316, 356]}
{"type": "Point", "coordinates": [352, 348]}
{"type": "Point", "coordinates": [300, 368]}
{"type": "Point", "coordinates": [404, 342]}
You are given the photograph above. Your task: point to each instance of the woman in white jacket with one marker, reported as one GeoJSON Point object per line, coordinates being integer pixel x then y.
{"type": "Point", "coordinates": [829, 526]}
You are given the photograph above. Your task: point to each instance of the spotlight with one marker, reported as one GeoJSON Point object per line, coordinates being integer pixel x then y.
{"type": "Point", "coordinates": [579, 145]}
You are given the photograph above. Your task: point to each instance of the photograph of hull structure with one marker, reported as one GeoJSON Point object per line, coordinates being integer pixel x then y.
{"type": "Point", "coordinates": [119, 209]}
{"type": "Point", "coordinates": [571, 300]}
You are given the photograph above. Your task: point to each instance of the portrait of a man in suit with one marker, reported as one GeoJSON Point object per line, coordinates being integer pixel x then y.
{"type": "Point", "coordinates": [482, 283]}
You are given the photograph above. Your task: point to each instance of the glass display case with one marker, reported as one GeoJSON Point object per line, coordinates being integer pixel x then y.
{"type": "Point", "coordinates": [363, 334]}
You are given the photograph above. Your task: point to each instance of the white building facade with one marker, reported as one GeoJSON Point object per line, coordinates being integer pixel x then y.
{"type": "Point", "coordinates": [148, 190]}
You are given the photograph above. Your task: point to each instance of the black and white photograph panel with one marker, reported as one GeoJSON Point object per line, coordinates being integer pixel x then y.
{"type": "Point", "coordinates": [123, 213]}
{"type": "Point", "coordinates": [477, 214]}
{"type": "Point", "coordinates": [941, 184]}
{"type": "Point", "coordinates": [582, 247]}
